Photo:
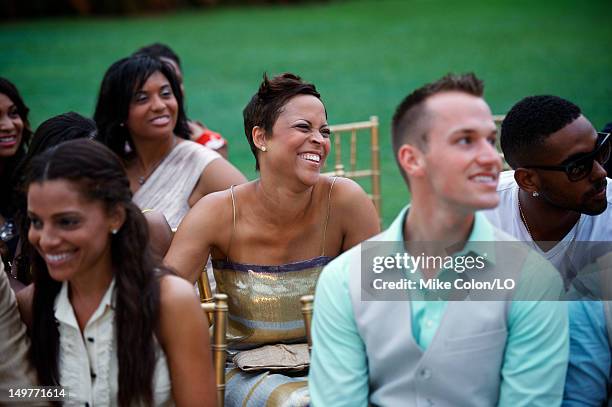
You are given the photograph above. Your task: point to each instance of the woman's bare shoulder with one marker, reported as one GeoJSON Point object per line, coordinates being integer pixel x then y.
{"type": "Point", "coordinates": [208, 224]}
{"type": "Point", "coordinates": [178, 303]}
{"type": "Point", "coordinates": [345, 191]}
{"type": "Point", "coordinates": [213, 209]}
{"type": "Point", "coordinates": [174, 289]}
{"type": "Point", "coordinates": [354, 211]}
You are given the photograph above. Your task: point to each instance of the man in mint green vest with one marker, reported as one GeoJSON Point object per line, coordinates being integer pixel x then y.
{"type": "Point", "coordinates": [427, 350]}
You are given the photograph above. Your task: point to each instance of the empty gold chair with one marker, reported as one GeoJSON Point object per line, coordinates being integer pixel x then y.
{"type": "Point", "coordinates": [499, 118]}
{"type": "Point", "coordinates": [351, 169]}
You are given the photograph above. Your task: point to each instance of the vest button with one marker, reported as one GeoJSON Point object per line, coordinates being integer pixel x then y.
{"type": "Point", "coordinates": [425, 374]}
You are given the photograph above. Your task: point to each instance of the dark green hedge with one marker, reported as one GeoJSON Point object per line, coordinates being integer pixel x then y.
{"type": "Point", "coordinates": [43, 8]}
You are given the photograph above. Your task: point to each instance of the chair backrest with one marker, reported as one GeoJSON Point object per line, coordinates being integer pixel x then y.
{"type": "Point", "coordinates": [307, 308]}
{"type": "Point", "coordinates": [218, 309]}
{"type": "Point", "coordinates": [351, 168]}
{"type": "Point", "coordinates": [499, 118]}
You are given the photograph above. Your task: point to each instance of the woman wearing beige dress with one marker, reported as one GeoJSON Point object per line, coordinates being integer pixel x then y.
{"type": "Point", "coordinates": [140, 116]}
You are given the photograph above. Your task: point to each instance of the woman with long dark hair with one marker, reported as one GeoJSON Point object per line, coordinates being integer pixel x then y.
{"type": "Point", "coordinates": [199, 132]}
{"type": "Point", "coordinates": [105, 320]}
{"type": "Point", "coordinates": [50, 133]}
{"type": "Point", "coordinates": [270, 238]}
{"type": "Point", "coordinates": [140, 116]}
{"type": "Point", "coordinates": [15, 135]}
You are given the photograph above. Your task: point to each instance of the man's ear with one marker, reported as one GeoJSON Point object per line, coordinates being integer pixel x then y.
{"type": "Point", "coordinates": [411, 160]}
{"type": "Point", "coordinates": [259, 137]}
{"type": "Point", "coordinates": [527, 180]}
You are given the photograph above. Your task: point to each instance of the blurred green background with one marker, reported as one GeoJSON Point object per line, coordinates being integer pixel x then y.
{"type": "Point", "coordinates": [364, 57]}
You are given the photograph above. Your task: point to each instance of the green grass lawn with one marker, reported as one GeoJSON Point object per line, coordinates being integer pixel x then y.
{"type": "Point", "coordinates": [364, 57]}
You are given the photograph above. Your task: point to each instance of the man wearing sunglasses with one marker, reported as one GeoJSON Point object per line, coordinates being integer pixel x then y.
{"type": "Point", "coordinates": [558, 193]}
{"type": "Point", "coordinates": [558, 197]}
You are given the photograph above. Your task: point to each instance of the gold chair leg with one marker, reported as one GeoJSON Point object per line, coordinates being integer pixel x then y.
{"type": "Point", "coordinates": [220, 345]}
{"type": "Point", "coordinates": [307, 308]}
{"type": "Point", "coordinates": [205, 292]}
{"type": "Point", "coordinates": [218, 309]}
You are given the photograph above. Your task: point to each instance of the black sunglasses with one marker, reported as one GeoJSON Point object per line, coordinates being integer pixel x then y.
{"type": "Point", "coordinates": [581, 167]}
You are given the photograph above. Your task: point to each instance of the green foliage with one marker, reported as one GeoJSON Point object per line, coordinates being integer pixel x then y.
{"type": "Point", "coordinates": [364, 57]}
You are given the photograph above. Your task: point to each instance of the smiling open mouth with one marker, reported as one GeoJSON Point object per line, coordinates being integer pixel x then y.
{"type": "Point", "coordinates": [58, 258]}
{"type": "Point", "coordinates": [311, 157]}
{"type": "Point", "coordinates": [489, 179]}
{"type": "Point", "coordinates": [484, 178]}
{"type": "Point", "coordinates": [8, 140]}
{"type": "Point", "coordinates": [161, 120]}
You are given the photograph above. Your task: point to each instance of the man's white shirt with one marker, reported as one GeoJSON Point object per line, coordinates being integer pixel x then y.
{"type": "Point", "coordinates": [569, 256]}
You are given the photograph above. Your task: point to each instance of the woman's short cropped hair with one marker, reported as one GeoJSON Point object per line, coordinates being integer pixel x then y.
{"type": "Point", "coordinates": [265, 106]}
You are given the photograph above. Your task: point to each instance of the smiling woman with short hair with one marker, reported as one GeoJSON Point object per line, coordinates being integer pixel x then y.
{"type": "Point", "coordinates": [270, 238]}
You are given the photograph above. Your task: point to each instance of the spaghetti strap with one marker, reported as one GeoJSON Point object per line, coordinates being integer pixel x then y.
{"type": "Point", "coordinates": [327, 215]}
{"type": "Point", "coordinates": [229, 247]}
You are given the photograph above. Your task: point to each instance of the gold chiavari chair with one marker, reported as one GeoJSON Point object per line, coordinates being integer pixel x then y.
{"type": "Point", "coordinates": [205, 291]}
{"type": "Point", "coordinates": [352, 170]}
{"type": "Point", "coordinates": [217, 308]}
{"type": "Point", "coordinates": [307, 308]}
{"type": "Point", "coordinates": [499, 118]}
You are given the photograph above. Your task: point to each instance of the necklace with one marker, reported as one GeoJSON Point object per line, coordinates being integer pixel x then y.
{"type": "Point", "coordinates": [143, 178]}
{"type": "Point", "coordinates": [523, 217]}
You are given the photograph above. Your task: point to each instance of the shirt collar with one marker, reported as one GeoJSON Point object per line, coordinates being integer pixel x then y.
{"type": "Point", "coordinates": [65, 313]}
{"type": "Point", "coordinates": [482, 231]}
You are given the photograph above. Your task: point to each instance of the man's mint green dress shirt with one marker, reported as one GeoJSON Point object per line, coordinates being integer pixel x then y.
{"type": "Point", "coordinates": [536, 355]}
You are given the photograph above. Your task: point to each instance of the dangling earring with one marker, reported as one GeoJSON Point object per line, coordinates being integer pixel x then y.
{"type": "Point", "coordinates": [535, 194]}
